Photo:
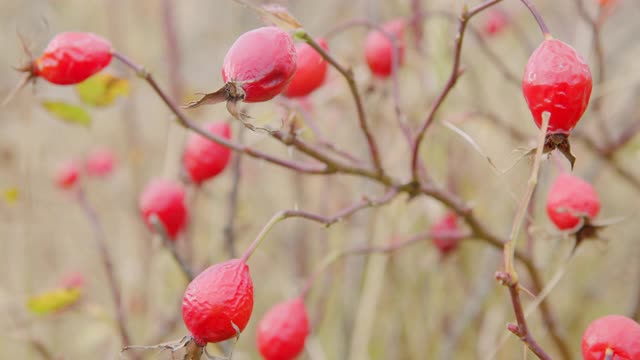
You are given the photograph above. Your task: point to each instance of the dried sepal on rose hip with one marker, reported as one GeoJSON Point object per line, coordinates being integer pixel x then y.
{"type": "Point", "coordinates": [378, 49]}
{"type": "Point", "coordinates": [558, 81]}
{"type": "Point", "coordinates": [70, 58]}
{"type": "Point", "coordinates": [258, 67]}
{"type": "Point", "coordinates": [217, 304]}
{"type": "Point", "coordinates": [283, 330]}
{"type": "Point", "coordinates": [614, 337]}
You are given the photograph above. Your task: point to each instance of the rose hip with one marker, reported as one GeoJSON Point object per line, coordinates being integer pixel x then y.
{"type": "Point", "coordinates": [283, 330]}
{"type": "Point", "coordinates": [72, 57]}
{"type": "Point", "coordinates": [379, 49]}
{"type": "Point", "coordinates": [202, 158]}
{"type": "Point", "coordinates": [66, 176]}
{"type": "Point", "coordinates": [310, 72]}
{"type": "Point", "coordinates": [217, 300]}
{"type": "Point", "coordinates": [446, 225]}
{"type": "Point", "coordinates": [164, 199]}
{"type": "Point", "coordinates": [615, 336]}
{"type": "Point", "coordinates": [569, 199]}
{"type": "Point", "coordinates": [100, 163]}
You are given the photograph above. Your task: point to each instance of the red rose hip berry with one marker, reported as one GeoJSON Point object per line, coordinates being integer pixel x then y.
{"type": "Point", "coordinates": [495, 22]}
{"type": "Point", "coordinates": [218, 299]}
{"type": "Point", "coordinates": [571, 198]}
{"type": "Point", "coordinates": [204, 159]}
{"type": "Point", "coordinates": [447, 225]}
{"type": "Point", "coordinates": [72, 57]}
{"type": "Point", "coordinates": [283, 330]}
{"type": "Point", "coordinates": [615, 336]}
{"type": "Point", "coordinates": [378, 48]}
{"type": "Point", "coordinates": [164, 199]}
{"type": "Point", "coordinates": [67, 175]}
{"type": "Point", "coordinates": [257, 67]}
{"type": "Point", "coordinates": [557, 80]}
{"type": "Point", "coordinates": [100, 163]}
{"type": "Point", "coordinates": [310, 72]}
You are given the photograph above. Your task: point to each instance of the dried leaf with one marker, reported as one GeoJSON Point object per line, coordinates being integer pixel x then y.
{"type": "Point", "coordinates": [52, 301]}
{"type": "Point", "coordinates": [67, 112]}
{"type": "Point", "coordinates": [102, 89]}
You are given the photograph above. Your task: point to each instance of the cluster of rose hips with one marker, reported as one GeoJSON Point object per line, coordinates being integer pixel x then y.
{"type": "Point", "coordinates": [264, 63]}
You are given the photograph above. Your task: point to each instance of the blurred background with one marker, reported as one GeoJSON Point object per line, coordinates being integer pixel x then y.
{"type": "Point", "coordinates": [410, 304]}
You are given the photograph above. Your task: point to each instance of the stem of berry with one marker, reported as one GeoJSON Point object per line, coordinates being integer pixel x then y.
{"type": "Point", "coordinates": [510, 247]}
{"type": "Point", "coordinates": [327, 221]}
{"type": "Point", "coordinates": [538, 17]}
{"type": "Point", "coordinates": [166, 241]}
{"type": "Point", "coordinates": [348, 76]}
{"type": "Point", "coordinates": [451, 82]}
{"type": "Point", "coordinates": [107, 263]}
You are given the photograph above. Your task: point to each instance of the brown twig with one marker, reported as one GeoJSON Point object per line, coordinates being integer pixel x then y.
{"type": "Point", "coordinates": [347, 74]}
{"type": "Point", "coordinates": [184, 121]}
{"type": "Point", "coordinates": [520, 329]}
{"type": "Point", "coordinates": [107, 263]}
{"type": "Point", "coordinates": [451, 82]}
{"type": "Point", "coordinates": [597, 102]}
{"type": "Point", "coordinates": [169, 244]}
{"type": "Point", "coordinates": [232, 202]}
{"type": "Point", "coordinates": [325, 220]}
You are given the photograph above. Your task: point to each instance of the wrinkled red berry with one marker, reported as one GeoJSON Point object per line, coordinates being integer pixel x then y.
{"type": "Point", "coordinates": [261, 62]}
{"type": "Point", "coordinates": [67, 175]}
{"type": "Point", "coordinates": [379, 49]}
{"type": "Point", "coordinates": [569, 199]}
{"type": "Point", "coordinates": [614, 334]}
{"type": "Point", "coordinates": [165, 199]}
{"type": "Point", "coordinates": [72, 57]}
{"type": "Point", "coordinates": [447, 225]}
{"type": "Point", "coordinates": [218, 297]}
{"type": "Point", "coordinates": [99, 163]}
{"type": "Point", "coordinates": [202, 158]}
{"type": "Point", "coordinates": [557, 80]}
{"type": "Point", "coordinates": [283, 330]}
{"type": "Point", "coordinates": [310, 72]}
{"type": "Point", "coordinates": [495, 22]}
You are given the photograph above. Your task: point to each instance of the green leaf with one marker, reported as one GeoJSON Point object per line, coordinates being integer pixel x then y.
{"type": "Point", "coordinates": [102, 89]}
{"type": "Point", "coordinates": [52, 301]}
{"type": "Point", "coordinates": [67, 112]}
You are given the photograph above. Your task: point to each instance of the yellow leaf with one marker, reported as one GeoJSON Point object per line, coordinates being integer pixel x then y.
{"type": "Point", "coordinates": [52, 301]}
{"type": "Point", "coordinates": [67, 112]}
{"type": "Point", "coordinates": [102, 89]}
{"type": "Point", "coordinates": [11, 195]}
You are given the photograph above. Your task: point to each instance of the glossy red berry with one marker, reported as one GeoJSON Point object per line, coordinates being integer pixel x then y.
{"type": "Point", "coordinates": [615, 335]}
{"type": "Point", "coordinates": [218, 298]}
{"type": "Point", "coordinates": [557, 80]}
{"type": "Point", "coordinates": [72, 57]}
{"type": "Point", "coordinates": [165, 199]}
{"type": "Point", "coordinates": [261, 62]}
{"type": "Point", "coordinates": [310, 72]}
{"type": "Point", "coordinates": [283, 330]}
{"type": "Point", "coordinates": [100, 163]}
{"type": "Point", "coordinates": [202, 158]}
{"type": "Point", "coordinates": [379, 49]}
{"type": "Point", "coordinates": [447, 225]}
{"type": "Point", "coordinates": [495, 22]}
{"type": "Point", "coordinates": [67, 175]}
{"type": "Point", "coordinates": [569, 199]}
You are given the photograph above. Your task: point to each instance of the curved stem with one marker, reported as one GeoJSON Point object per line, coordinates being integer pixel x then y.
{"type": "Point", "coordinates": [538, 17]}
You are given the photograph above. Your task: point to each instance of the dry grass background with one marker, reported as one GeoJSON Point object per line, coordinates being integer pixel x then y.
{"type": "Point", "coordinates": [412, 305]}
